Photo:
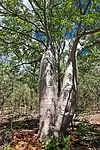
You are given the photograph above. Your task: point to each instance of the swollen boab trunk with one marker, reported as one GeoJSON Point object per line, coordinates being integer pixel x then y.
{"type": "Point", "coordinates": [56, 113]}
{"type": "Point", "coordinates": [66, 104]}
{"type": "Point", "coordinates": [47, 94]}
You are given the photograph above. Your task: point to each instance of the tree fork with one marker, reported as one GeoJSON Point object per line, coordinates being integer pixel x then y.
{"type": "Point", "coordinates": [66, 105]}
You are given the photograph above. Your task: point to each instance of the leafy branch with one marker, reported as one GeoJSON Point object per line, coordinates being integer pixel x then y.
{"type": "Point", "coordinates": [89, 32]}
{"type": "Point", "coordinates": [93, 44]}
{"type": "Point", "coordinates": [36, 12]}
{"type": "Point", "coordinates": [13, 14]}
{"type": "Point", "coordinates": [22, 33]}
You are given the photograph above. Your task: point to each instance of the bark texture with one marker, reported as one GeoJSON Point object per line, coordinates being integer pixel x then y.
{"type": "Point", "coordinates": [66, 104]}
{"type": "Point", "coordinates": [47, 94]}
{"type": "Point", "coordinates": [56, 113]}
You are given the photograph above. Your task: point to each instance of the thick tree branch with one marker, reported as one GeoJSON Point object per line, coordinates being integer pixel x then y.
{"type": "Point", "coordinates": [79, 28]}
{"type": "Point", "coordinates": [89, 32]}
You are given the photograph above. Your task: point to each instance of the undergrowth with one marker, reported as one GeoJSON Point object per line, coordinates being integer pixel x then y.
{"type": "Point", "coordinates": [54, 143]}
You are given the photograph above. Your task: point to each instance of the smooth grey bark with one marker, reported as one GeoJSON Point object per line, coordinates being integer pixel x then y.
{"type": "Point", "coordinates": [66, 104]}
{"type": "Point", "coordinates": [47, 93]}
{"type": "Point", "coordinates": [56, 113]}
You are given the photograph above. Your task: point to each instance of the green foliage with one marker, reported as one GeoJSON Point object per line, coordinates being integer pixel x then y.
{"type": "Point", "coordinates": [88, 81]}
{"type": "Point", "coordinates": [16, 89]}
{"type": "Point", "coordinates": [54, 143]}
{"type": "Point", "coordinates": [82, 129]}
{"type": "Point", "coordinates": [8, 147]}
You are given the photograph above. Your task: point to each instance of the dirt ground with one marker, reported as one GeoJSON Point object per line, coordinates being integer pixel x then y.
{"type": "Point", "coordinates": [27, 126]}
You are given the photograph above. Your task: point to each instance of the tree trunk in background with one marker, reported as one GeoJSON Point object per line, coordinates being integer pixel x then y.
{"type": "Point", "coordinates": [47, 94]}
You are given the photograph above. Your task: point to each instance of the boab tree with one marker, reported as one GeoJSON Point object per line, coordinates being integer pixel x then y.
{"type": "Point", "coordinates": [56, 113]}
{"type": "Point", "coordinates": [52, 23]}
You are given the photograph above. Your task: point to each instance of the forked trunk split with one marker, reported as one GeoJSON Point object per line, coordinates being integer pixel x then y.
{"type": "Point", "coordinates": [56, 113]}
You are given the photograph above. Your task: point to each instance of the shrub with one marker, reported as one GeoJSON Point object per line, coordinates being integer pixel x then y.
{"type": "Point", "coordinates": [54, 143]}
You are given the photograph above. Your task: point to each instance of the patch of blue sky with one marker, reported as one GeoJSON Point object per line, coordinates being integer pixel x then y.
{"type": "Point", "coordinates": [71, 34]}
{"type": "Point", "coordinates": [68, 35]}
{"type": "Point", "coordinates": [85, 2]}
{"type": "Point", "coordinates": [84, 52]}
{"type": "Point", "coordinates": [39, 36]}
{"type": "Point", "coordinates": [75, 28]}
